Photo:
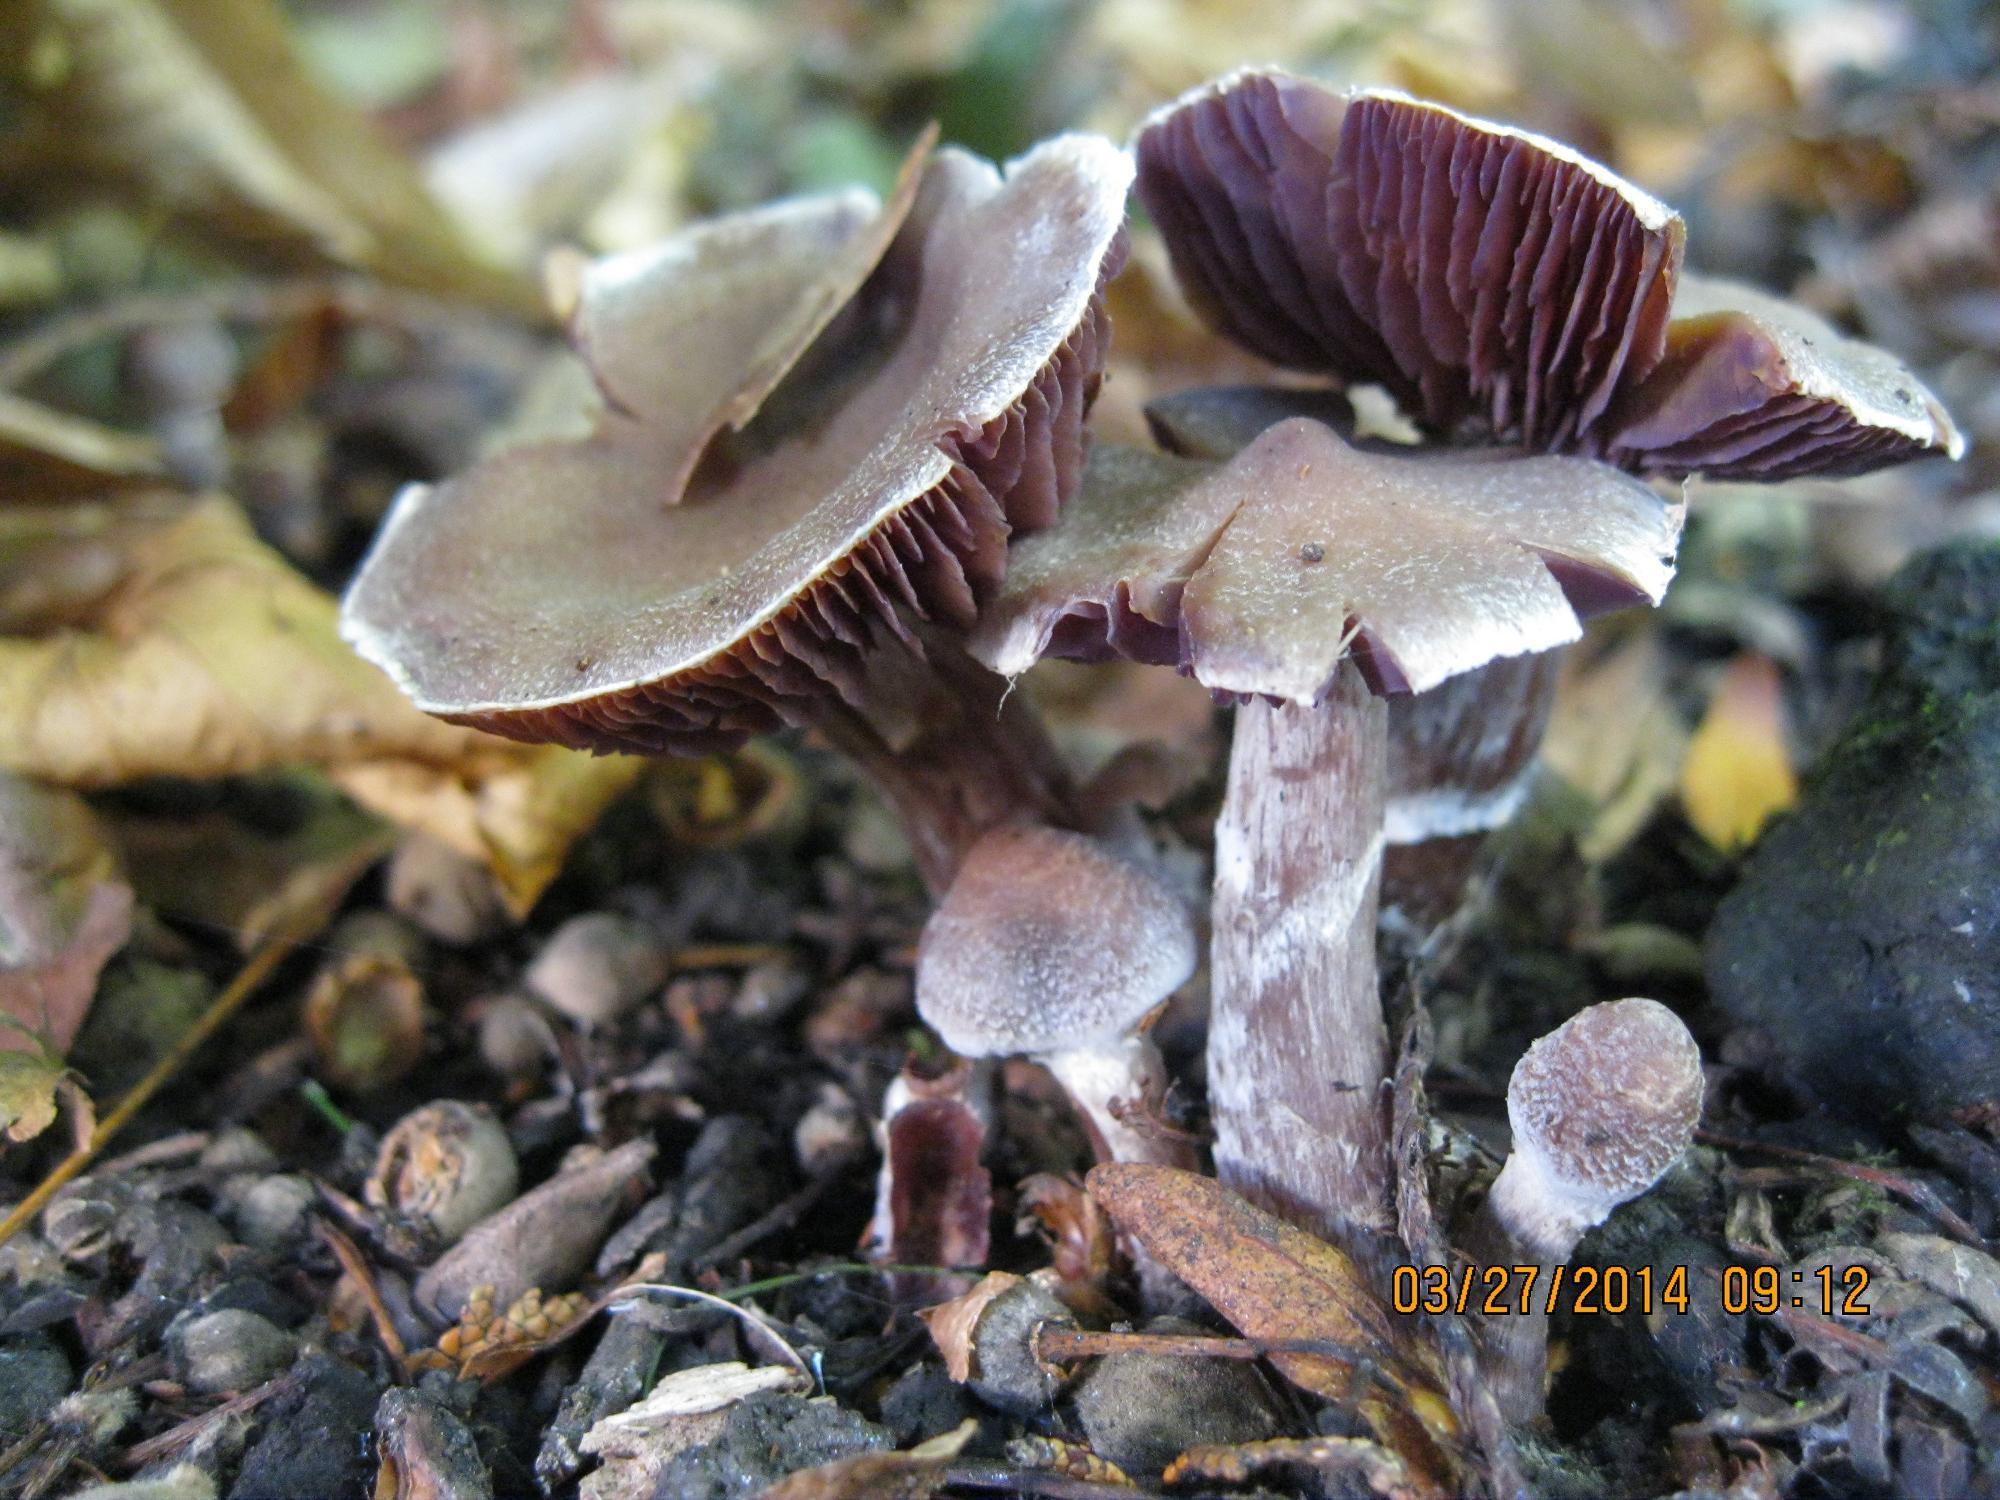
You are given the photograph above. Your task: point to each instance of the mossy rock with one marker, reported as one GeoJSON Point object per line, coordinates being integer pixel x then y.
{"type": "Point", "coordinates": [1864, 937]}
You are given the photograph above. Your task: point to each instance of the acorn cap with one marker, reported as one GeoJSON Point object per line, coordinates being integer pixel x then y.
{"type": "Point", "coordinates": [1607, 1102]}
{"type": "Point", "coordinates": [665, 584]}
{"type": "Point", "coordinates": [1259, 575]}
{"type": "Point", "coordinates": [1496, 280]}
{"type": "Point", "coordinates": [1047, 942]}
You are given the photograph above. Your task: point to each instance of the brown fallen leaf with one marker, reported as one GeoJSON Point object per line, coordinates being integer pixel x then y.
{"type": "Point", "coordinates": [913, 1474]}
{"type": "Point", "coordinates": [1275, 1281]}
{"type": "Point", "coordinates": [202, 108]}
{"type": "Point", "coordinates": [29, 1083]}
{"type": "Point", "coordinates": [209, 656]}
{"type": "Point", "coordinates": [1615, 735]}
{"type": "Point", "coordinates": [64, 910]}
{"type": "Point", "coordinates": [1738, 772]}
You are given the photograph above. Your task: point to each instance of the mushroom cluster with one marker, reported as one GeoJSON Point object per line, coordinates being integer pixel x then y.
{"type": "Point", "coordinates": [842, 480]}
{"type": "Point", "coordinates": [1505, 291]}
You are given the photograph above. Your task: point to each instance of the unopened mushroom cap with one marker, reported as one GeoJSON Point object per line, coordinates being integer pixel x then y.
{"type": "Point", "coordinates": [661, 584]}
{"type": "Point", "coordinates": [1048, 941]}
{"type": "Point", "coordinates": [1608, 1101]}
{"type": "Point", "coordinates": [1496, 280]}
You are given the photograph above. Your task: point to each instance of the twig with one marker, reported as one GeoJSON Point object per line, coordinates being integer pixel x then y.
{"type": "Point", "coordinates": [783, 1216]}
{"type": "Point", "coordinates": [181, 1434]}
{"type": "Point", "coordinates": [256, 969]}
{"type": "Point", "coordinates": [1917, 1194]}
{"type": "Point", "coordinates": [749, 1315]}
{"type": "Point", "coordinates": [239, 302]}
{"type": "Point", "coordinates": [356, 1267]}
{"type": "Point", "coordinates": [1059, 1345]}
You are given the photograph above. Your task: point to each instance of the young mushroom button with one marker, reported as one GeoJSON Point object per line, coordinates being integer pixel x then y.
{"type": "Point", "coordinates": [1601, 1108]}
{"type": "Point", "coordinates": [1049, 944]}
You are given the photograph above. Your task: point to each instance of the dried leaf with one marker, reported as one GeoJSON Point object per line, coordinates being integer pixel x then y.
{"type": "Point", "coordinates": [914, 1474]}
{"type": "Point", "coordinates": [1738, 773]}
{"type": "Point", "coordinates": [1952, 1270]}
{"type": "Point", "coordinates": [64, 910]}
{"type": "Point", "coordinates": [1274, 1281]}
{"type": "Point", "coordinates": [28, 1084]}
{"type": "Point", "coordinates": [203, 108]}
{"type": "Point", "coordinates": [952, 1324]}
{"type": "Point", "coordinates": [209, 656]}
{"type": "Point", "coordinates": [1259, 574]}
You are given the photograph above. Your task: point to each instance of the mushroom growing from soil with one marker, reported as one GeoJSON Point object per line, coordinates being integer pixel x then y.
{"type": "Point", "coordinates": [1052, 945]}
{"type": "Point", "coordinates": [823, 419]}
{"type": "Point", "coordinates": [1504, 289]}
{"type": "Point", "coordinates": [1601, 1109]}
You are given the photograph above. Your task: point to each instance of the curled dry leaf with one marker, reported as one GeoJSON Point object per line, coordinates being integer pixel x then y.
{"type": "Point", "coordinates": [209, 656]}
{"type": "Point", "coordinates": [1260, 574]}
{"type": "Point", "coordinates": [1497, 281]}
{"type": "Point", "coordinates": [1274, 1281]}
{"type": "Point", "coordinates": [203, 109]}
{"type": "Point", "coordinates": [1738, 772]}
{"type": "Point", "coordinates": [914, 1474]}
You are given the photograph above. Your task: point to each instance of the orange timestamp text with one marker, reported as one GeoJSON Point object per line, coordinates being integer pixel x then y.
{"type": "Point", "coordinates": [1501, 1291]}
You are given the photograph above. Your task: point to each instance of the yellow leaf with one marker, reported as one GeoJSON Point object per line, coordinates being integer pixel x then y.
{"type": "Point", "coordinates": [1738, 773]}
{"type": "Point", "coordinates": [28, 1093]}
{"type": "Point", "coordinates": [209, 656]}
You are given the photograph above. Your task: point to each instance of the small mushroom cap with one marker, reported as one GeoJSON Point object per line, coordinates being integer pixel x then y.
{"type": "Point", "coordinates": [1048, 941]}
{"type": "Point", "coordinates": [663, 585]}
{"type": "Point", "coordinates": [1607, 1102]}
{"type": "Point", "coordinates": [1260, 574]}
{"type": "Point", "coordinates": [1498, 281]}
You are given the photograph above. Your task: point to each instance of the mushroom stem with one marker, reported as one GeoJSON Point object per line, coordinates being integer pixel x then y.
{"type": "Point", "coordinates": [1113, 1085]}
{"type": "Point", "coordinates": [1515, 1347]}
{"type": "Point", "coordinates": [973, 757]}
{"type": "Point", "coordinates": [1298, 1051]}
{"type": "Point", "coordinates": [1461, 759]}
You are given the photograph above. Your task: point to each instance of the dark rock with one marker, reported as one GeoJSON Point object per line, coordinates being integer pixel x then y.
{"type": "Point", "coordinates": [34, 1376]}
{"type": "Point", "coordinates": [767, 1437]}
{"type": "Point", "coordinates": [1142, 1411]}
{"type": "Point", "coordinates": [314, 1439]}
{"type": "Point", "coordinates": [924, 1402]}
{"type": "Point", "coordinates": [1864, 938]}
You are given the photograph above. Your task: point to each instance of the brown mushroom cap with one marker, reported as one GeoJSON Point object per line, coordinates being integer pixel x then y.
{"type": "Point", "coordinates": [1259, 575]}
{"type": "Point", "coordinates": [1046, 942]}
{"type": "Point", "coordinates": [1608, 1101]}
{"type": "Point", "coordinates": [1496, 280]}
{"type": "Point", "coordinates": [558, 592]}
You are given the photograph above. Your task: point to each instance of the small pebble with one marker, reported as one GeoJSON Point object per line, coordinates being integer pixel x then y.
{"type": "Point", "coordinates": [270, 1212]}
{"type": "Point", "coordinates": [515, 1039]}
{"type": "Point", "coordinates": [597, 967]}
{"type": "Point", "coordinates": [228, 1351]}
{"type": "Point", "coordinates": [454, 899]}
{"type": "Point", "coordinates": [238, 1149]}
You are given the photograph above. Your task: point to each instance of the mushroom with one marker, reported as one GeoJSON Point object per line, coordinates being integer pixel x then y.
{"type": "Point", "coordinates": [1601, 1109]}
{"type": "Point", "coordinates": [822, 421]}
{"type": "Point", "coordinates": [1502, 288]}
{"type": "Point", "coordinates": [1050, 944]}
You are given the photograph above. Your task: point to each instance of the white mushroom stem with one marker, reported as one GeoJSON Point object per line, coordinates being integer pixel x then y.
{"type": "Point", "coordinates": [1118, 1086]}
{"type": "Point", "coordinates": [1528, 1219]}
{"type": "Point", "coordinates": [1298, 1052]}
